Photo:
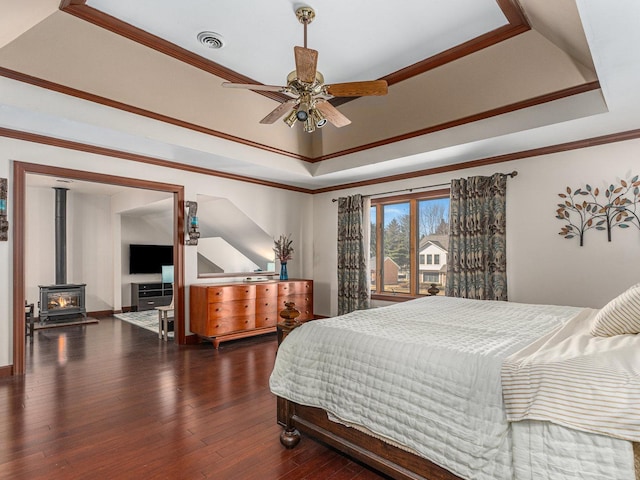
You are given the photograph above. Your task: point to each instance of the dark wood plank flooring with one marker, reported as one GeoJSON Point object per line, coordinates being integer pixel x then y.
{"type": "Point", "coordinates": [111, 401]}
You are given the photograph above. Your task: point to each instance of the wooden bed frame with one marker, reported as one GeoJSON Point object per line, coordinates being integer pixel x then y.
{"type": "Point", "coordinates": [388, 459]}
{"type": "Point", "coordinates": [393, 461]}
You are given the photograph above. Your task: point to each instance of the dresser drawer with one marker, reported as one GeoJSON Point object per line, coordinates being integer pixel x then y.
{"type": "Point", "coordinates": [303, 303]}
{"type": "Point", "coordinates": [266, 305]}
{"type": "Point", "coordinates": [294, 288]}
{"type": "Point", "coordinates": [230, 293]}
{"type": "Point", "coordinates": [267, 290]}
{"type": "Point", "coordinates": [232, 308]}
{"type": "Point", "coordinates": [266, 319]}
{"type": "Point", "coordinates": [224, 325]}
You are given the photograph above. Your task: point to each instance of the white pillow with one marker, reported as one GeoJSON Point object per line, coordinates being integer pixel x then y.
{"type": "Point", "coordinates": [620, 316]}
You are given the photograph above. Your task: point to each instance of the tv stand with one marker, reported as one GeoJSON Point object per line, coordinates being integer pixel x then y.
{"type": "Point", "coordinates": [148, 295]}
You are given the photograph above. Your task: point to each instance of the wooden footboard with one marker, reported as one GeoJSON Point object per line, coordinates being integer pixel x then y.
{"type": "Point", "coordinates": [393, 461]}
{"type": "Point", "coordinates": [388, 459]}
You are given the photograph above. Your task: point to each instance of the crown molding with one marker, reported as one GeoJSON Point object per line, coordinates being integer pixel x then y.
{"type": "Point", "coordinates": [531, 102]}
{"type": "Point", "coordinates": [110, 152]}
{"type": "Point", "coordinates": [535, 152]}
{"type": "Point", "coordinates": [39, 82]}
{"type": "Point", "coordinates": [517, 24]}
{"type": "Point", "coordinates": [73, 92]}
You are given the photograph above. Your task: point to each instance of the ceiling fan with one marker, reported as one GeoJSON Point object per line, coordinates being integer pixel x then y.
{"type": "Point", "coordinates": [309, 103]}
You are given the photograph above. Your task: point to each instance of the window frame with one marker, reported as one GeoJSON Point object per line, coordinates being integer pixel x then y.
{"type": "Point", "coordinates": [378, 204]}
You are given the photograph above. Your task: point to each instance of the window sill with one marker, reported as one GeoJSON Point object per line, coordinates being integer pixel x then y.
{"type": "Point", "coordinates": [394, 297]}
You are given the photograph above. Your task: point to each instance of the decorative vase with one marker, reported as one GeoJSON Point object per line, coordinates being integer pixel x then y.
{"type": "Point", "coordinates": [283, 271]}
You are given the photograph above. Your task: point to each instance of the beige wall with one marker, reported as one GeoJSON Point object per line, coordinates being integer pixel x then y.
{"type": "Point", "coordinates": [277, 211]}
{"type": "Point", "coordinates": [542, 266]}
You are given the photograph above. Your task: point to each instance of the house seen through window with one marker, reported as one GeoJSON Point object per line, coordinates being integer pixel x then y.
{"type": "Point", "coordinates": [409, 243]}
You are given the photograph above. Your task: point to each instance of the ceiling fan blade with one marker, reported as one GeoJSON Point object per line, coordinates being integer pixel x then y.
{"type": "Point", "coordinates": [278, 112]}
{"type": "Point", "coordinates": [248, 86]}
{"type": "Point", "coordinates": [357, 89]}
{"type": "Point", "coordinates": [306, 64]}
{"type": "Point", "coordinates": [332, 114]}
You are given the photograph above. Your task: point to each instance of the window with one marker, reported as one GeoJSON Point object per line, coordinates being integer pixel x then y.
{"type": "Point", "coordinates": [430, 277]}
{"type": "Point", "coordinates": [405, 231]}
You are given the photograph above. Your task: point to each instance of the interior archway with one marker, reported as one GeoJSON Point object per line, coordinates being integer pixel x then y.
{"type": "Point", "coordinates": [20, 171]}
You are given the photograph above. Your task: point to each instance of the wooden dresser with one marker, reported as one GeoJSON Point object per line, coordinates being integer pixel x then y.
{"type": "Point", "coordinates": [220, 312]}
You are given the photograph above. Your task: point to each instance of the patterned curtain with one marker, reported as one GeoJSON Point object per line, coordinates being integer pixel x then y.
{"type": "Point", "coordinates": [477, 263]}
{"type": "Point", "coordinates": [353, 263]}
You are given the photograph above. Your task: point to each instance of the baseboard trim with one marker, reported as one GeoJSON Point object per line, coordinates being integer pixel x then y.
{"type": "Point", "coordinates": [6, 371]}
{"type": "Point", "coordinates": [100, 313]}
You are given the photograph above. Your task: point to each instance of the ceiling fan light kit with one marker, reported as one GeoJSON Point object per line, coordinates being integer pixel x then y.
{"type": "Point", "coordinates": [309, 93]}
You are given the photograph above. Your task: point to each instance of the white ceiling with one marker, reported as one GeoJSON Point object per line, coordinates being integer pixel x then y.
{"type": "Point", "coordinates": [356, 40]}
{"type": "Point", "coordinates": [158, 203]}
{"type": "Point", "coordinates": [349, 36]}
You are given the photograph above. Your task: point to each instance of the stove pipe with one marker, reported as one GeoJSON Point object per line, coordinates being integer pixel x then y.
{"type": "Point", "coordinates": [61, 235]}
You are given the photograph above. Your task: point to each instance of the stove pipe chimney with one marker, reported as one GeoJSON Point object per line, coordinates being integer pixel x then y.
{"type": "Point", "coordinates": [61, 235]}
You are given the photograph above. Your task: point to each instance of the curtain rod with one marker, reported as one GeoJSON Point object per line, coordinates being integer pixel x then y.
{"type": "Point", "coordinates": [512, 174]}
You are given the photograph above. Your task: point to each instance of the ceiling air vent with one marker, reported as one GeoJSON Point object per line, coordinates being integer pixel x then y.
{"type": "Point", "coordinates": [211, 39]}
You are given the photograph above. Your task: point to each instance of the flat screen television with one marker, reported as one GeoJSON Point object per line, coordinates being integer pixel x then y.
{"type": "Point", "coordinates": [149, 258]}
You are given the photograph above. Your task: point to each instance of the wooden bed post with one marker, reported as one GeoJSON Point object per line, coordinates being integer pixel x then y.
{"type": "Point", "coordinates": [393, 461]}
{"type": "Point", "coordinates": [290, 437]}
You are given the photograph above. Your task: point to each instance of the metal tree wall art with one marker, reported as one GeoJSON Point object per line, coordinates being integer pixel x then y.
{"type": "Point", "coordinates": [584, 210]}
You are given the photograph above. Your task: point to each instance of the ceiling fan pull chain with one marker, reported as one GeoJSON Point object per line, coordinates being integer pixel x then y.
{"type": "Point", "coordinates": [305, 32]}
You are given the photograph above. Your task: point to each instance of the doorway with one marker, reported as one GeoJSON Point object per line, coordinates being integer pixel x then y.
{"type": "Point", "coordinates": [20, 172]}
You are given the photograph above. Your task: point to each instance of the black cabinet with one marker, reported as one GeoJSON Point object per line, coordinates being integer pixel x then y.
{"type": "Point", "coordinates": [146, 296]}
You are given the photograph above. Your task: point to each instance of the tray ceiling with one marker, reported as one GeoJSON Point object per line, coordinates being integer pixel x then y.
{"type": "Point", "coordinates": [463, 75]}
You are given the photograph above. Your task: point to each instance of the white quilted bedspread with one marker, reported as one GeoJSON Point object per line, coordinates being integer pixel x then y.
{"type": "Point", "coordinates": [425, 374]}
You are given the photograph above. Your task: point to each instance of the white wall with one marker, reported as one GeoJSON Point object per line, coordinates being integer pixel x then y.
{"type": "Point", "coordinates": [276, 211]}
{"type": "Point", "coordinates": [543, 267]}
{"type": "Point", "coordinates": [89, 252]}
{"type": "Point", "coordinates": [122, 204]}
{"type": "Point", "coordinates": [139, 230]}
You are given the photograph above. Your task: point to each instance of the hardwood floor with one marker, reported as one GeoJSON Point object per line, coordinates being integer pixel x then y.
{"type": "Point", "coordinates": [111, 401]}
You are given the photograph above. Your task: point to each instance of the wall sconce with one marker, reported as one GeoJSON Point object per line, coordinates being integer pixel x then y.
{"type": "Point", "coordinates": [4, 224]}
{"type": "Point", "coordinates": [192, 232]}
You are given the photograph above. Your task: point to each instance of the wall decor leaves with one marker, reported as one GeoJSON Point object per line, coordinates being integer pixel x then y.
{"type": "Point", "coordinates": [583, 209]}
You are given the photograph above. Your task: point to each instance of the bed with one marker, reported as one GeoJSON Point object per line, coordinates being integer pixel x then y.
{"type": "Point", "coordinates": [415, 390]}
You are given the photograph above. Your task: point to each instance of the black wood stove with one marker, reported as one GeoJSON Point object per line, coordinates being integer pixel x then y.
{"type": "Point", "coordinates": [61, 300]}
